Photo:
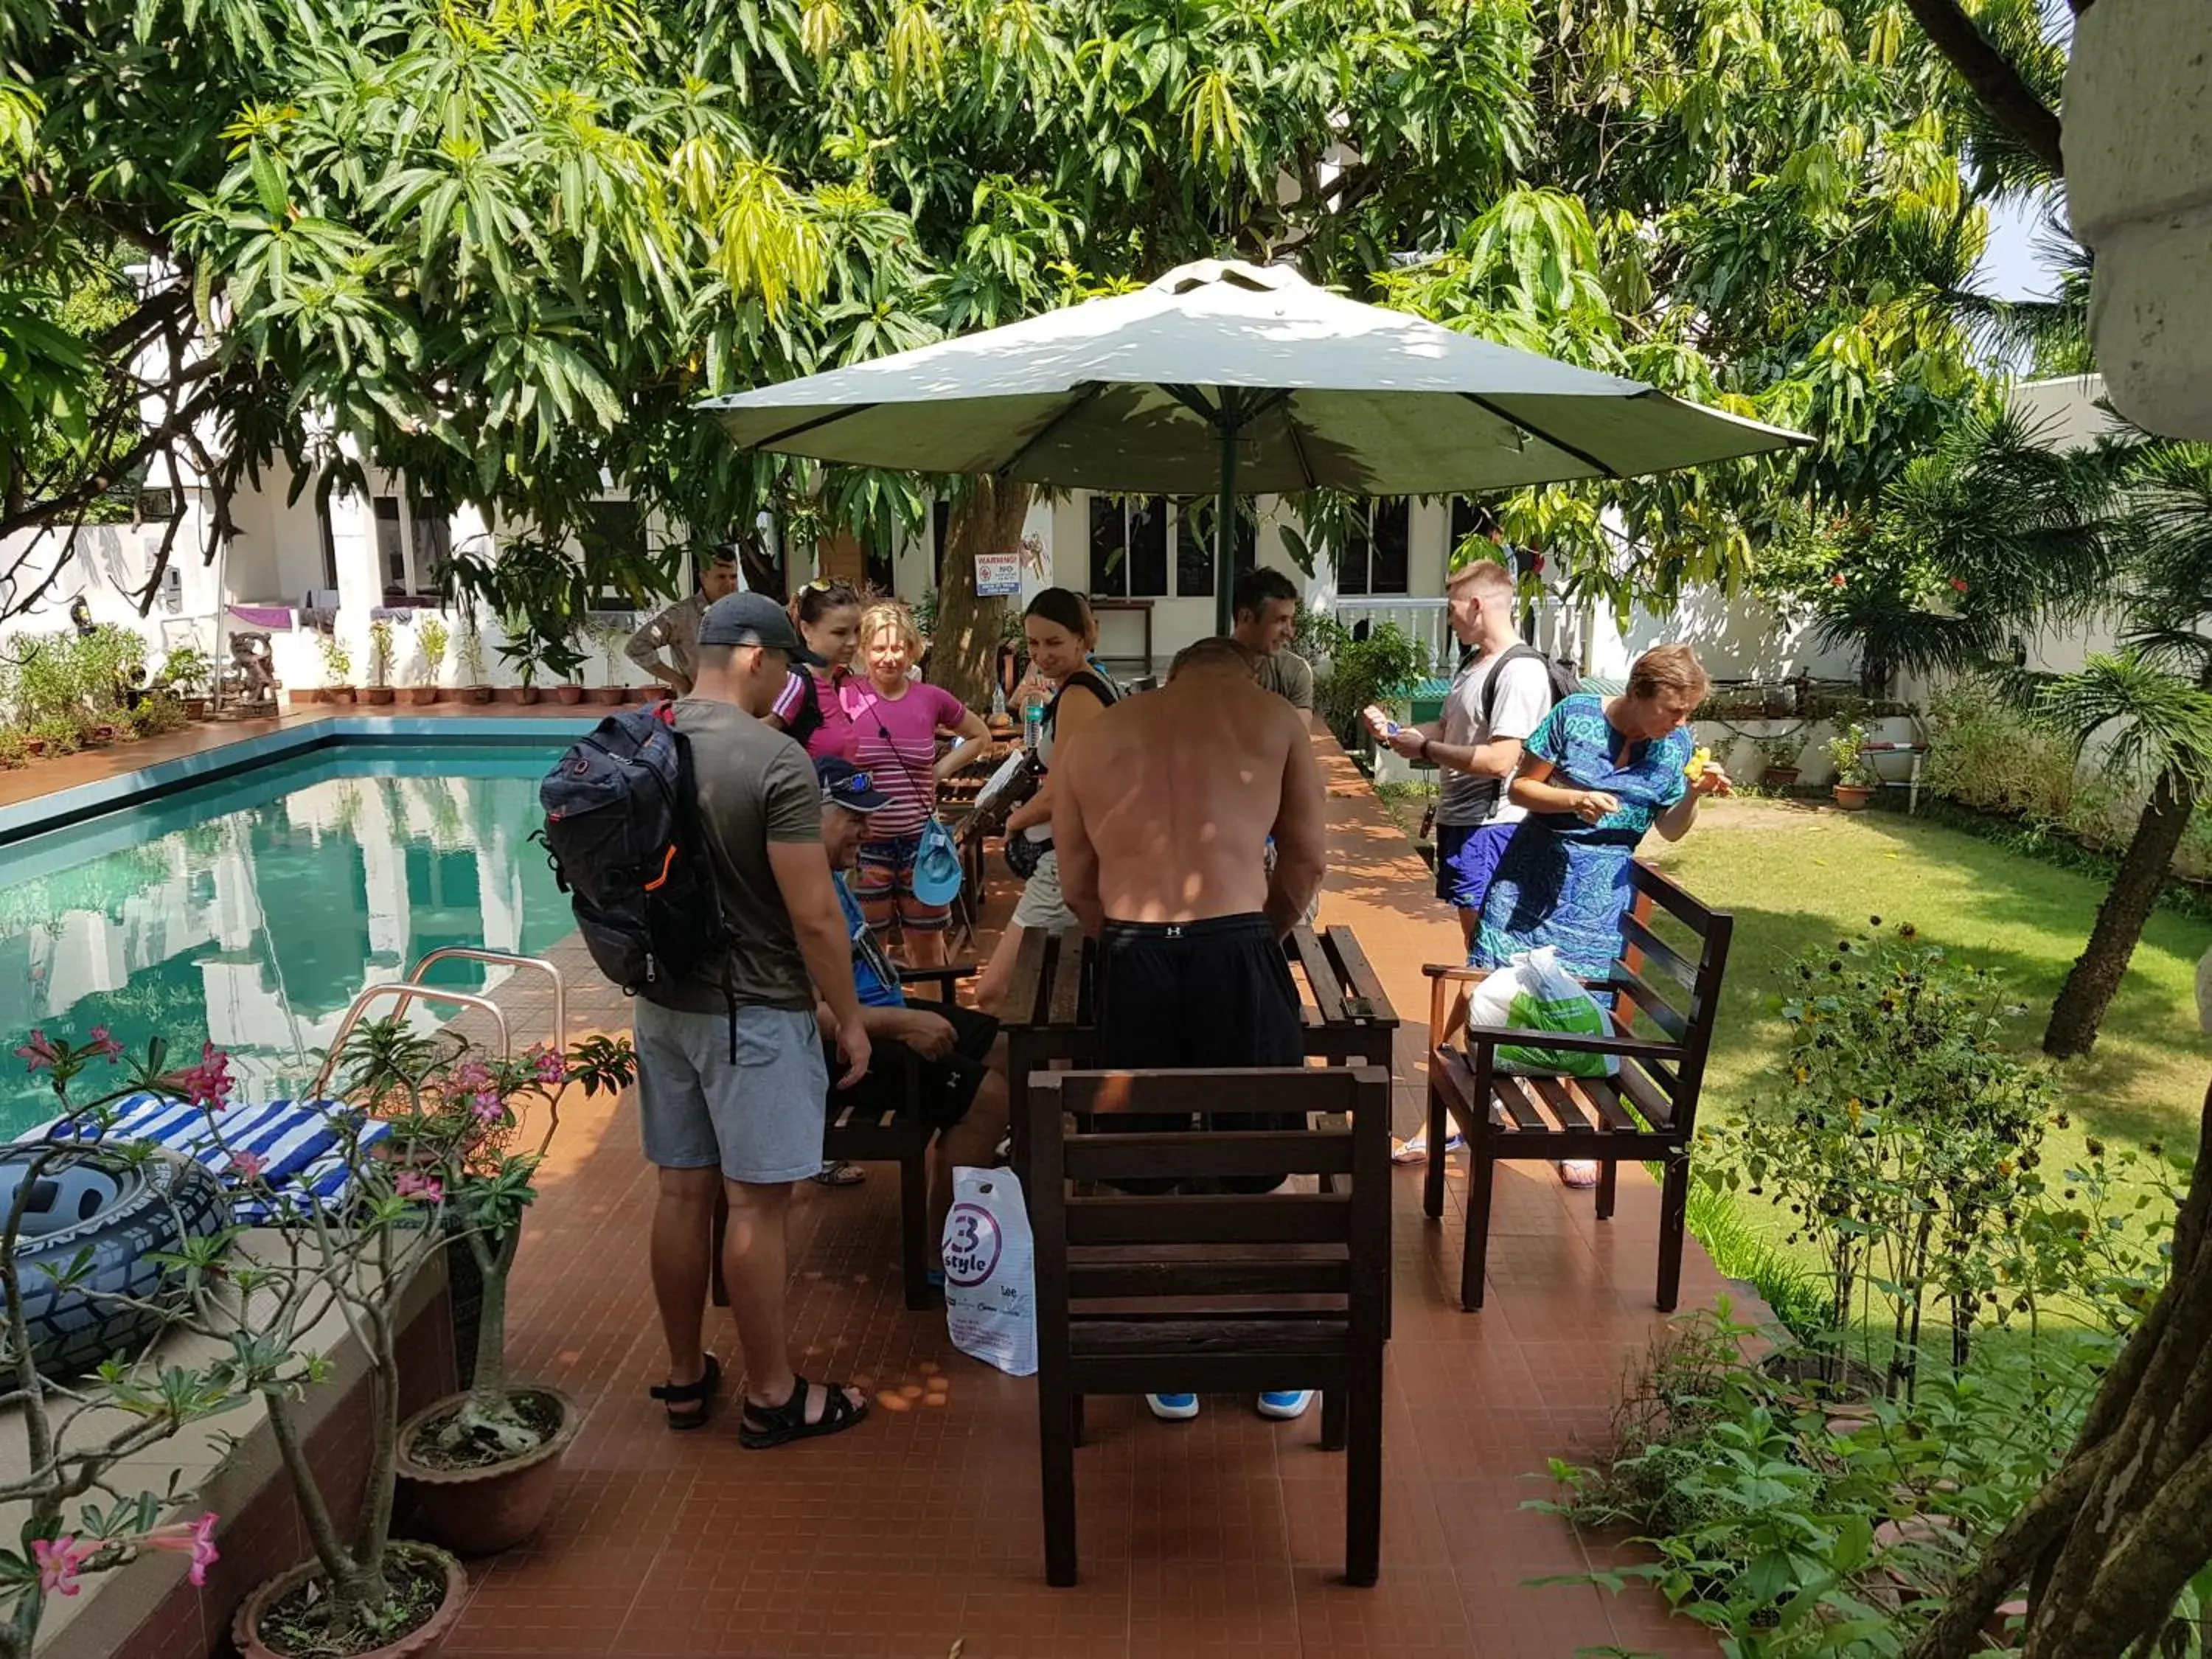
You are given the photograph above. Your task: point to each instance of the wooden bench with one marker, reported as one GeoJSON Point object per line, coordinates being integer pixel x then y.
{"type": "Point", "coordinates": [1647, 1112]}
{"type": "Point", "coordinates": [1214, 1293]}
{"type": "Point", "coordinates": [1049, 1013]}
{"type": "Point", "coordinates": [899, 1136]}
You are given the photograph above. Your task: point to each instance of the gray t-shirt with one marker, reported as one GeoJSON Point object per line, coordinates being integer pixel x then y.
{"type": "Point", "coordinates": [1289, 677]}
{"type": "Point", "coordinates": [756, 786]}
{"type": "Point", "coordinates": [1524, 698]}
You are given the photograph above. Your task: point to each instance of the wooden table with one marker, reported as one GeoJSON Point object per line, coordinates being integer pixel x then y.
{"type": "Point", "coordinates": [1049, 1012]}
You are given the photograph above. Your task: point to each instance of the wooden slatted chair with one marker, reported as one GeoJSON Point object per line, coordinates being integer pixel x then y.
{"type": "Point", "coordinates": [1213, 1292]}
{"type": "Point", "coordinates": [1647, 1112]}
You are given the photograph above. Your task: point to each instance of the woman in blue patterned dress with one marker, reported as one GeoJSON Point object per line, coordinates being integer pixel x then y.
{"type": "Point", "coordinates": [1595, 776]}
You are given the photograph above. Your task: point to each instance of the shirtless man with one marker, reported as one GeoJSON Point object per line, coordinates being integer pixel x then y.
{"type": "Point", "coordinates": [1165, 804]}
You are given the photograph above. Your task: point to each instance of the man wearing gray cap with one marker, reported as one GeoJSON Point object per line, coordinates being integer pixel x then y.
{"type": "Point", "coordinates": [731, 1072]}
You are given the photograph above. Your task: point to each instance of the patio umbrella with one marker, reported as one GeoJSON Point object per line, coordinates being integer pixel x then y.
{"type": "Point", "coordinates": [1223, 377]}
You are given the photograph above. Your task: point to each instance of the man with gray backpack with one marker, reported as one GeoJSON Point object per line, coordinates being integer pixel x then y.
{"type": "Point", "coordinates": [691, 845]}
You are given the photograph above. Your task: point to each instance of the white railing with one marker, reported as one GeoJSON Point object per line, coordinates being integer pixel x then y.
{"type": "Point", "coordinates": [1425, 621]}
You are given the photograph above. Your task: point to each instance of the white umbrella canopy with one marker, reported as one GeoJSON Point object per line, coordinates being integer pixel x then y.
{"type": "Point", "coordinates": [1224, 377]}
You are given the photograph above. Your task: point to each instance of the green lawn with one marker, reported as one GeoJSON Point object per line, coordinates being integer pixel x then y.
{"type": "Point", "coordinates": [1796, 875]}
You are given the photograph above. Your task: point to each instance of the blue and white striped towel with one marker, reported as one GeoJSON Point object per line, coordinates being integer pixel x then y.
{"type": "Point", "coordinates": [298, 1142]}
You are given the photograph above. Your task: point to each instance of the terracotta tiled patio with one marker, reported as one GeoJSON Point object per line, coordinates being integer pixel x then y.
{"type": "Point", "coordinates": [919, 1534]}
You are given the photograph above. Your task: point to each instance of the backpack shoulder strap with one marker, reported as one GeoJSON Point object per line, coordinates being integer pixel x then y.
{"type": "Point", "coordinates": [1511, 653]}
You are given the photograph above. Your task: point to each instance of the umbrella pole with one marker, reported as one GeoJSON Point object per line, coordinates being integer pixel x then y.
{"type": "Point", "coordinates": [1224, 523]}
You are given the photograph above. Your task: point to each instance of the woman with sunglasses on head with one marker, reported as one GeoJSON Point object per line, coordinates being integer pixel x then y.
{"type": "Point", "coordinates": [828, 613]}
{"type": "Point", "coordinates": [897, 721]}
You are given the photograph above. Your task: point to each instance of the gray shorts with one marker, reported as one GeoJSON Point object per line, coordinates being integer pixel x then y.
{"type": "Point", "coordinates": [759, 1120]}
{"type": "Point", "coordinates": [1042, 905]}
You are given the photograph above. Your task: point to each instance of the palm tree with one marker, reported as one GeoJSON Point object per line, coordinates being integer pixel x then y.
{"type": "Point", "coordinates": [2145, 715]}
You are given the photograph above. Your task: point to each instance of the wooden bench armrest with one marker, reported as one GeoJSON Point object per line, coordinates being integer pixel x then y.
{"type": "Point", "coordinates": [1577, 1043]}
{"type": "Point", "coordinates": [943, 978]}
{"type": "Point", "coordinates": [1458, 972]}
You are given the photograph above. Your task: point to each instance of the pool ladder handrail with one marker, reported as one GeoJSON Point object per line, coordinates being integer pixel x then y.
{"type": "Point", "coordinates": [411, 989]}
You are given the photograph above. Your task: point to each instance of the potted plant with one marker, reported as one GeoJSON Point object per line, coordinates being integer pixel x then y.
{"type": "Point", "coordinates": [15, 748]}
{"type": "Point", "coordinates": [468, 661]}
{"type": "Point", "coordinates": [186, 672]}
{"type": "Point", "coordinates": [378, 691]}
{"type": "Point", "coordinates": [570, 664]}
{"type": "Point", "coordinates": [338, 668]}
{"type": "Point", "coordinates": [1779, 759]}
{"type": "Point", "coordinates": [483, 1465]}
{"type": "Point", "coordinates": [431, 636]}
{"type": "Point", "coordinates": [156, 716]}
{"type": "Point", "coordinates": [1855, 779]}
{"type": "Point", "coordinates": [609, 637]}
{"type": "Point", "coordinates": [53, 736]}
{"type": "Point", "coordinates": [521, 655]}
{"type": "Point", "coordinates": [83, 1424]}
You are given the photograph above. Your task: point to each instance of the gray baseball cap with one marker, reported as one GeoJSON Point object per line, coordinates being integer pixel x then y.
{"type": "Point", "coordinates": [753, 619]}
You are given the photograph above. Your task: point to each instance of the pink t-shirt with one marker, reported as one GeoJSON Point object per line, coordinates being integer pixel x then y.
{"type": "Point", "coordinates": [834, 736]}
{"type": "Point", "coordinates": [896, 743]}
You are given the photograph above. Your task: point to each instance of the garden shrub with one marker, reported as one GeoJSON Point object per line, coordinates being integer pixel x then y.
{"type": "Point", "coordinates": [1383, 667]}
{"type": "Point", "coordinates": [1905, 1143]}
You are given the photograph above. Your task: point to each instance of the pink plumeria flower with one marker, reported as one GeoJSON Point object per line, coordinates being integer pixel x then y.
{"type": "Point", "coordinates": [209, 1083]}
{"type": "Point", "coordinates": [60, 1560]}
{"type": "Point", "coordinates": [248, 1166]}
{"type": "Point", "coordinates": [192, 1538]}
{"type": "Point", "coordinates": [107, 1044]}
{"type": "Point", "coordinates": [39, 1053]}
{"type": "Point", "coordinates": [551, 1066]}
{"type": "Point", "coordinates": [472, 1076]}
{"type": "Point", "coordinates": [489, 1108]}
{"type": "Point", "coordinates": [428, 1189]}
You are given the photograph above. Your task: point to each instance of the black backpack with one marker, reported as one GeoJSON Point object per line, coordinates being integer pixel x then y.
{"type": "Point", "coordinates": [806, 719]}
{"type": "Point", "coordinates": [622, 833]}
{"type": "Point", "coordinates": [1566, 682]}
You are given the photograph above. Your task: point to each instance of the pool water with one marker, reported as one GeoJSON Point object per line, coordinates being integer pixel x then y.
{"type": "Point", "coordinates": [250, 912]}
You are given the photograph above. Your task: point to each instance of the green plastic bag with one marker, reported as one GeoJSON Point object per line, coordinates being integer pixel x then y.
{"type": "Point", "coordinates": [1546, 998]}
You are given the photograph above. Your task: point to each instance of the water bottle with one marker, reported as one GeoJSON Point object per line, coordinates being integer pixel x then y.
{"type": "Point", "coordinates": [1032, 724]}
{"type": "Point", "coordinates": [997, 702]}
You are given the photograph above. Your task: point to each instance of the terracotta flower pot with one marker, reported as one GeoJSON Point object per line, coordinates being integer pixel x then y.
{"type": "Point", "coordinates": [420, 1643]}
{"type": "Point", "coordinates": [1853, 797]}
{"type": "Point", "coordinates": [418, 696]}
{"type": "Point", "coordinates": [196, 709]}
{"type": "Point", "coordinates": [34, 747]}
{"type": "Point", "coordinates": [604, 695]}
{"type": "Point", "coordinates": [657, 692]}
{"type": "Point", "coordinates": [568, 694]}
{"type": "Point", "coordinates": [377, 696]}
{"type": "Point", "coordinates": [521, 694]}
{"type": "Point", "coordinates": [478, 694]}
{"type": "Point", "coordinates": [338, 694]}
{"type": "Point", "coordinates": [1778, 777]}
{"type": "Point", "coordinates": [482, 1511]}
{"type": "Point", "coordinates": [301, 696]}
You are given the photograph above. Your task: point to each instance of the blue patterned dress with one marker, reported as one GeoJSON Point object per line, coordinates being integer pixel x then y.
{"type": "Point", "coordinates": [1565, 882]}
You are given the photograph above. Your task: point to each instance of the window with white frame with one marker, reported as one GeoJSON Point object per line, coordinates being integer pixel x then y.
{"type": "Point", "coordinates": [1149, 547]}
{"type": "Point", "coordinates": [1377, 556]}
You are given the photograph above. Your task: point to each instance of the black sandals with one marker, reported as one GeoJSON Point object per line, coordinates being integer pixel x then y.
{"type": "Point", "coordinates": [689, 1405]}
{"type": "Point", "coordinates": [763, 1426]}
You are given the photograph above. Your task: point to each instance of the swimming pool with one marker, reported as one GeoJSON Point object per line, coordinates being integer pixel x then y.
{"type": "Point", "coordinates": [251, 910]}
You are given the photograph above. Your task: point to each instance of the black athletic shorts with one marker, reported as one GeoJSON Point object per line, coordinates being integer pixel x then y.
{"type": "Point", "coordinates": [947, 1089]}
{"type": "Point", "coordinates": [1181, 995]}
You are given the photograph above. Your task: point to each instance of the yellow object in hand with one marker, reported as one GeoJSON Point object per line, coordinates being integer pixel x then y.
{"type": "Point", "coordinates": [1698, 762]}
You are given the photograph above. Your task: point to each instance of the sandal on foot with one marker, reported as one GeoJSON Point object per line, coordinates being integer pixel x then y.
{"type": "Point", "coordinates": [689, 1405]}
{"type": "Point", "coordinates": [763, 1426]}
{"type": "Point", "coordinates": [837, 1173]}
{"type": "Point", "coordinates": [1416, 1151]}
{"type": "Point", "coordinates": [1577, 1173]}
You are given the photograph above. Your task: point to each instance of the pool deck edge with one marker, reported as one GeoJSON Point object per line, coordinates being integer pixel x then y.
{"type": "Point", "coordinates": [270, 741]}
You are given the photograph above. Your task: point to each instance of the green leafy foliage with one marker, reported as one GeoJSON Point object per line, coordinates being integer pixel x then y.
{"type": "Point", "coordinates": [1381, 668]}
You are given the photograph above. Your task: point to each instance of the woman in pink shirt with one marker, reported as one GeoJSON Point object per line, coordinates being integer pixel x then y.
{"type": "Point", "coordinates": [895, 721]}
{"type": "Point", "coordinates": [829, 617]}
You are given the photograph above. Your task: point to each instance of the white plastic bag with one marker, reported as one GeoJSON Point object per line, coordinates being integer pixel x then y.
{"type": "Point", "coordinates": [990, 1280]}
{"type": "Point", "coordinates": [1535, 993]}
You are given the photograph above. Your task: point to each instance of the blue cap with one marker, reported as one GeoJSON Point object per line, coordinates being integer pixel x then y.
{"type": "Point", "coordinates": [936, 878]}
{"type": "Point", "coordinates": [846, 785]}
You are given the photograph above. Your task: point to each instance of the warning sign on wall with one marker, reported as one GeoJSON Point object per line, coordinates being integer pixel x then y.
{"type": "Point", "coordinates": [998, 573]}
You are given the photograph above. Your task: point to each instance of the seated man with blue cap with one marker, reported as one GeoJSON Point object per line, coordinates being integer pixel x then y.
{"type": "Point", "coordinates": [963, 1074]}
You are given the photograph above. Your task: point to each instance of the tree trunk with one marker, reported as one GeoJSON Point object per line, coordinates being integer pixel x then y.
{"type": "Point", "coordinates": [965, 648]}
{"type": "Point", "coordinates": [2095, 976]}
{"type": "Point", "coordinates": [2108, 1544]}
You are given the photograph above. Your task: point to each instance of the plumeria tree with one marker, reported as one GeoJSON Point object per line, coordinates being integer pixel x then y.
{"type": "Point", "coordinates": [424, 1129]}
{"type": "Point", "coordinates": [78, 1431]}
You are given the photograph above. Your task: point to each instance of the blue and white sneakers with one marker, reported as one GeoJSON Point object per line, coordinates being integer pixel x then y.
{"type": "Point", "coordinates": [1283, 1404]}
